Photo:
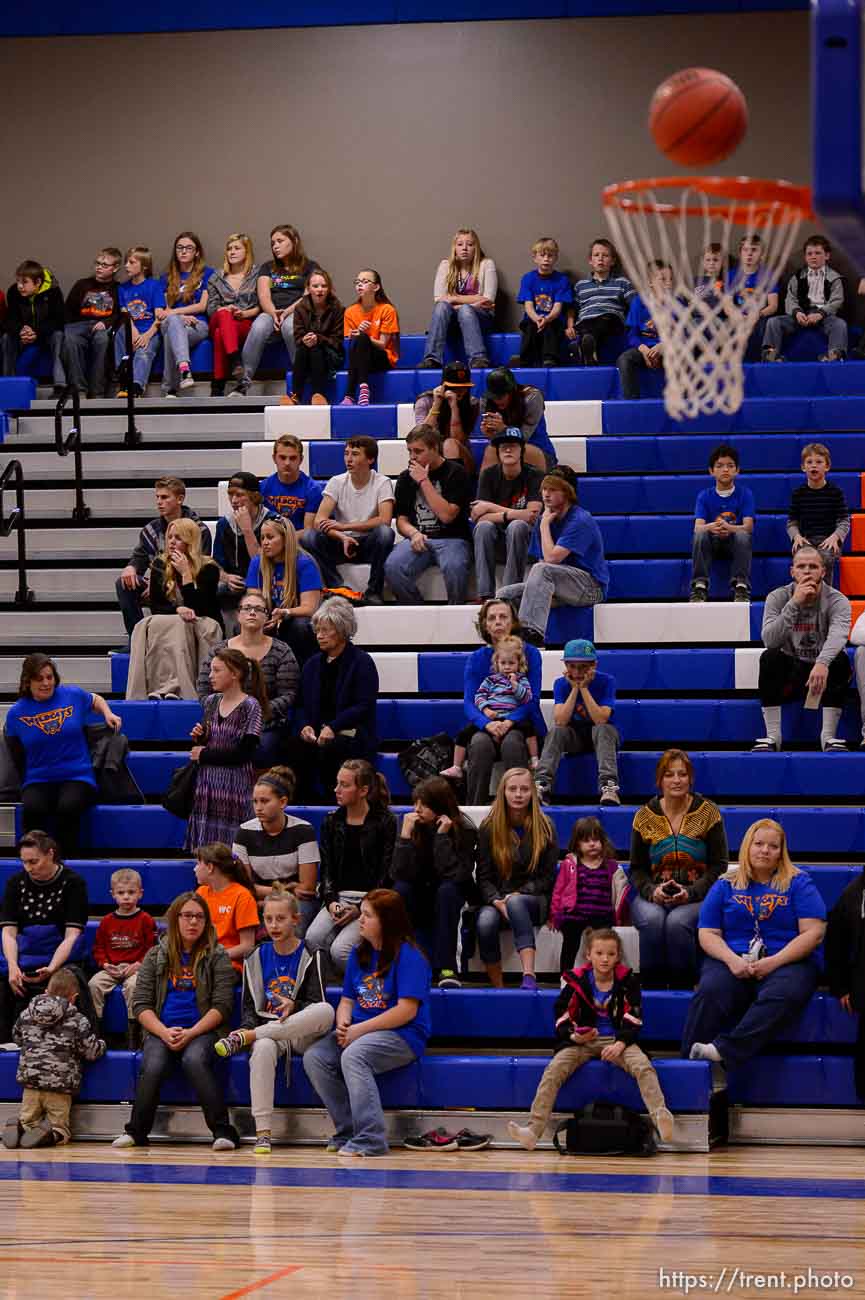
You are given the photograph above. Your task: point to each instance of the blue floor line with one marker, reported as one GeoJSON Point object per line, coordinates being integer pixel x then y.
{"type": "Point", "coordinates": [368, 1175]}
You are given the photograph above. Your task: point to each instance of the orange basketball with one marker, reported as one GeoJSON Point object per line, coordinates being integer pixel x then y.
{"type": "Point", "coordinates": [698, 116]}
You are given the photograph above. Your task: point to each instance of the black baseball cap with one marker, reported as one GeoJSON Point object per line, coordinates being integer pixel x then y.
{"type": "Point", "coordinates": [456, 375]}
{"type": "Point", "coordinates": [512, 436]}
{"type": "Point", "coordinates": [501, 382]}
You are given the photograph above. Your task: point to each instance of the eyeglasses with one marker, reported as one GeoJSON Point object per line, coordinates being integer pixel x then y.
{"type": "Point", "coordinates": [194, 918]}
{"type": "Point", "coordinates": [362, 284]}
{"type": "Point", "coordinates": [106, 266]}
{"type": "Point", "coordinates": [184, 248]}
{"type": "Point", "coordinates": [252, 609]}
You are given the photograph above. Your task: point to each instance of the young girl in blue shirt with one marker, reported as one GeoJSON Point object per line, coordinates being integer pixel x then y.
{"type": "Point", "coordinates": [183, 320]}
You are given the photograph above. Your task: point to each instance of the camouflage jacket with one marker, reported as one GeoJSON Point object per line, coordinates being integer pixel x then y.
{"type": "Point", "coordinates": [54, 1038]}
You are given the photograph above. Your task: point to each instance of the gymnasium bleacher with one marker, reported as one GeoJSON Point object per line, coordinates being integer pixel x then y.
{"type": "Point", "coordinates": [685, 675]}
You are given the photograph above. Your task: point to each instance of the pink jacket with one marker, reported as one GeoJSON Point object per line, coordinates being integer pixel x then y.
{"type": "Point", "coordinates": [564, 901]}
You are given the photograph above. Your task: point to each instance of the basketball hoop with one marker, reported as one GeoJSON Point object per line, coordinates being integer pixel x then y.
{"type": "Point", "coordinates": [703, 329]}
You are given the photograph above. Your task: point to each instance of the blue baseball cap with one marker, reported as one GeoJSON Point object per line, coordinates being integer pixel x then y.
{"type": "Point", "coordinates": [580, 651]}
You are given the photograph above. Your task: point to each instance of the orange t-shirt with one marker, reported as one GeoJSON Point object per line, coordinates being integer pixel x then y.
{"type": "Point", "coordinates": [231, 910]}
{"type": "Point", "coordinates": [384, 320]}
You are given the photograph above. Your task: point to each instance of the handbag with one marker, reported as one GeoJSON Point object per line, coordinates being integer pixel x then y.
{"type": "Point", "coordinates": [179, 798]}
{"type": "Point", "coordinates": [424, 758]}
{"type": "Point", "coordinates": [602, 1129]}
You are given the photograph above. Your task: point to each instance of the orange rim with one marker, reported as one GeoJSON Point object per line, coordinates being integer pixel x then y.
{"type": "Point", "coordinates": [754, 202]}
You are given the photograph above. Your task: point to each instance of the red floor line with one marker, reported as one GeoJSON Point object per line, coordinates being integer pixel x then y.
{"type": "Point", "coordinates": [265, 1281]}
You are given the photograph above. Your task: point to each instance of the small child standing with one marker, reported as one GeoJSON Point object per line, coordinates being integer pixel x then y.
{"type": "Point", "coordinates": [54, 1038]}
{"type": "Point", "coordinates": [723, 526]}
{"type": "Point", "coordinates": [598, 1015]}
{"type": "Point", "coordinates": [583, 895]}
{"type": "Point", "coordinates": [123, 939]}
{"type": "Point", "coordinates": [543, 292]}
{"type": "Point", "coordinates": [505, 689]}
{"type": "Point", "coordinates": [818, 513]}
{"type": "Point", "coordinates": [285, 1007]}
{"type": "Point", "coordinates": [226, 889]}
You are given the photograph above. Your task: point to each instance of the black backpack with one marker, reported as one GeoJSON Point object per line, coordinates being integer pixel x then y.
{"type": "Point", "coordinates": [602, 1129]}
{"type": "Point", "coordinates": [425, 758]}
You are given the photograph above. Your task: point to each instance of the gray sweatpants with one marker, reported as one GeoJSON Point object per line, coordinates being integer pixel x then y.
{"type": "Point", "coordinates": [569, 585]}
{"type": "Point", "coordinates": [605, 741]}
{"type": "Point", "coordinates": [273, 1039]}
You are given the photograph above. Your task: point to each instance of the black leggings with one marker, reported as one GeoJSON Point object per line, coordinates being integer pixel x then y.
{"type": "Point", "coordinates": [315, 366]}
{"type": "Point", "coordinates": [364, 359]}
{"type": "Point", "coordinates": [572, 933]}
{"type": "Point", "coordinates": [59, 805]}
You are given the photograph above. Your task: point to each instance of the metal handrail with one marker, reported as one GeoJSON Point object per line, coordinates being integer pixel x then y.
{"type": "Point", "coordinates": [72, 442]}
{"type": "Point", "coordinates": [23, 596]}
{"type": "Point", "coordinates": [133, 434]}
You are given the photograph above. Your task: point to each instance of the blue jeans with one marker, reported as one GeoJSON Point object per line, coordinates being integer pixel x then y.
{"type": "Point", "coordinates": [668, 940]}
{"type": "Point", "coordinates": [373, 548]}
{"type": "Point", "coordinates": [196, 1060]}
{"type": "Point", "coordinates": [345, 1082]}
{"type": "Point", "coordinates": [525, 911]}
{"type": "Point", "coordinates": [404, 566]}
{"type": "Point", "coordinates": [472, 324]}
{"type": "Point", "coordinates": [142, 358]}
{"type": "Point", "coordinates": [263, 332]}
{"type": "Point", "coordinates": [741, 1017]}
{"type": "Point", "coordinates": [490, 538]}
{"type": "Point", "coordinates": [179, 340]}
{"type": "Point", "coordinates": [84, 349]}
{"type": "Point", "coordinates": [707, 548]}
{"type": "Point", "coordinates": [437, 905]}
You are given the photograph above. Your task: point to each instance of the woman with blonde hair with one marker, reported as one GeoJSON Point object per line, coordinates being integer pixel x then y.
{"type": "Point", "coordinates": [464, 292]}
{"type": "Point", "coordinates": [183, 320]}
{"type": "Point", "coordinates": [280, 285]}
{"type": "Point", "coordinates": [759, 927]}
{"type": "Point", "coordinates": [291, 584]}
{"type": "Point", "coordinates": [517, 855]}
{"type": "Point", "coordinates": [170, 644]}
{"type": "Point", "coordinates": [232, 306]}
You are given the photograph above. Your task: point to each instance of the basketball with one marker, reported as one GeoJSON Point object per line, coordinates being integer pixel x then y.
{"type": "Point", "coordinates": [698, 116]}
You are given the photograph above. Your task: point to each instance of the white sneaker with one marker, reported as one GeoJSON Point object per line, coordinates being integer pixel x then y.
{"type": "Point", "coordinates": [523, 1134]}
{"type": "Point", "coordinates": [663, 1122]}
{"type": "Point", "coordinates": [125, 1140]}
{"type": "Point", "coordinates": [224, 1144]}
{"type": "Point", "coordinates": [704, 1052]}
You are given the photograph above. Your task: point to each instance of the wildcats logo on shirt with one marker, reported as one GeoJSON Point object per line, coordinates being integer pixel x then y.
{"type": "Point", "coordinates": [370, 994]}
{"type": "Point", "coordinates": [766, 904]}
{"type": "Point", "coordinates": [49, 723]}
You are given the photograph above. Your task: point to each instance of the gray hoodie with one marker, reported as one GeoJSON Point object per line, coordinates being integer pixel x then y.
{"type": "Point", "coordinates": [814, 633]}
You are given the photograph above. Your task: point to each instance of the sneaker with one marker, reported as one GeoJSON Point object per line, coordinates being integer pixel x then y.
{"type": "Point", "coordinates": [765, 745]}
{"type": "Point", "coordinates": [41, 1135]}
{"type": "Point", "coordinates": [741, 594]}
{"type": "Point", "coordinates": [543, 791]}
{"type": "Point", "coordinates": [448, 980]}
{"type": "Point", "coordinates": [125, 1140]}
{"type": "Point", "coordinates": [523, 1134]}
{"type": "Point", "coordinates": [699, 594]}
{"type": "Point", "coordinates": [515, 360]}
{"type": "Point", "coordinates": [363, 394]}
{"type": "Point", "coordinates": [236, 368]}
{"type": "Point", "coordinates": [469, 1141]}
{"type": "Point", "coordinates": [263, 1145]}
{"type": "Point", "coordinates": [137, 390]}
{"type": "Point", "coordinates": [289, 399]}
{"type": "Point", "coordinates": [373, 597]}
{"type": "Point", "coordinates": [589, 350]}
{"type": "Point", "coordinates": [170, 695]}
{"type": "Point", "coordinates": [347, 401]}
{"type": "Point", "coordinates": [123, 392]}
{"type": "Point", "coordinates": [217, 388]}
{"type": "Point", "coordinates": [231, 1044]}
{"type": "Point", "coordinates": [12, 1131]}
{"type": "Point", "coordinates": [832, 355]}
{"type": "Point", "coordinates": [438, 1139]}
{"type": "Point", "coordinates": [186, 379]}
{"type": "Point", "coordinates": [480, 362]}
{"type": "Point", "coordinates": [335, 1145]}
{"type": "Point", "coordinates": [609, 794]}
{"type": "Point", "coordinates": [154, 695]}
{"type": "Point", "coordinates": [663, 1121]}
{"type": "Point", "coordinates": [453, 773]}
{"type": "Point", "coordinates": [361, 1153]}
{"type": "Point", "coordinates": [529, 983]}
{"type": "Point", "coordinates": [704, 1052]}
{"type": "Point", "coordinates": [242, 389]}
{"type": "Point", "coordinates": [770, 354]}
{"type": "Point", "coordinates": [834, 745]}
{"type": "Point", "coordinates": [429, 363]}
{"type": "Point", "coordinates": [169, 396]}
{"type": "Point", "coordinates": [318, 399]}
{"type": "Point", "coordinates": [534, 637]}
{"type": "Point", "coordinates": [223, 1144]}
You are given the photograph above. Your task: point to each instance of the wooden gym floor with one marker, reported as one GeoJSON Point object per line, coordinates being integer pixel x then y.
{"type": "Point", "coordinates": [89, 1223]}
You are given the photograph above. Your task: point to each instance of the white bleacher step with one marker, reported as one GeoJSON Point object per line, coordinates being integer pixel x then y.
{"type": "Point", "coordinates": [194, 426]}
{"type": "Point", "coordinates": [140, 465]}
{"type": "Point", "coordinates": [34, 629]}
{"type": "Point", "coordinates": [671, 623]}
{"type": "Point", "coordinates": [439, 626]}
{"type": "Point", "coordinates": [262, 392]}
{"type": "Point", "coordinates": [116, 502]}
{"type": "Point", "coordinates": [92, 672]}
{"type": "Point", "coordinates": [72, 542]}
{"type": "Point", "coordinates": [747, 667]}
{"type": "Point", "coordinates": [306, 422]}
{"type": "Point", "coordinates": [86, 585]}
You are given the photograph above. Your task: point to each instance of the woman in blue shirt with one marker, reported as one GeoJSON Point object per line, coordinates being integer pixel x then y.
{"type": "Point", "coordinates": [183, 321]}
{"type": "Point", "coordinates": [290, 582]}
{"type": "Point", "coordinates": [382, 1022]}
{"type": "Point", "coordinates": [759, 926]}
{"type": "Point", "coordinates": [46, 738]}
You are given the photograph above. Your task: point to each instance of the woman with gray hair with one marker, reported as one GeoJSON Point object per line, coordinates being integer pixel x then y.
{"type": "Point", "coordinates": [336, 703]}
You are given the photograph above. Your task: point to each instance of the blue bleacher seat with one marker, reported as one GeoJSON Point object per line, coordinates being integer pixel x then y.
{"type": "Point", "coordinates": [16, 393]}
{"type": "Point", "coordinates": [673, 454]}
{"type": "Point", "coordinates": [800, 1080]}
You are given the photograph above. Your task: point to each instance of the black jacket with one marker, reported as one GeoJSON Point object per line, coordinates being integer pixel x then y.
{"type": "Point", "coordinates": [202, 595]}
{"type": "Point", "coordinates": [377, 838]}
{"type": "Point", "coordinates": [44, 312]}
{"type": "Point", "coordinates": [434, 858]}
{"type": "Point", "coordinates": [492, 884]}
{"type": "Point", "coordinates": [844, 949]}
{"type": "Point", "coordinates": [356, 695]}
{"type": "Point", "coordinates": [575, 1007]}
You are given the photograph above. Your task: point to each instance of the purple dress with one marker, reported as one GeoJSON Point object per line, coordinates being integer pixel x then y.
{"type": "Point", "coordinates": [223, 793]}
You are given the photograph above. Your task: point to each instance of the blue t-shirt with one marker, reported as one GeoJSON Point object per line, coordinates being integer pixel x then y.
{"type": "Point", "coordinates": [603, 1024]}
{"type": "Point", "coordinates": [292, 500]}
{"type": "Point", "coordinates": [407, 977]}
{"type": "Point", "coordinates": [180, 1008]}
{"type": "Point", "coordinates": [141, 301]}
{"type": "Point", "coordinates": [641, 327]}
{"type": "Point", "coordinates": [733, 509]}
{"type": "Point", "coordinates": [544, 291]}
{"type": "Point", "coordinates": [308, 577]}
{"type": "Point", "coordinates": [748, 284]}
{"type": "Point", "coordinates": [52, 733]}
{"type": "Point", "coordinates": [202, 285]}
{"type": "Point", "coordinates": [733, 911]}
{"type": "Point", "coordinates": [578, 532]}
{"type": "Point", "coordinates": [279, 974]}
{"type": "Point", "coordinates": [603, 689]}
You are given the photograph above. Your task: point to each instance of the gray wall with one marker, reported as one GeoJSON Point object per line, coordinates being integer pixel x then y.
{"type": "Point", "coordinates": [376, 142]}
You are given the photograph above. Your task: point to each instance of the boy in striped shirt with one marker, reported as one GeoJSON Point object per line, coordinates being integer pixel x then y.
{"type": "Point", "coordinates": [600, 305]}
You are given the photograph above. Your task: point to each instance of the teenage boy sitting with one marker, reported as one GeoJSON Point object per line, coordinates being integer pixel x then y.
{"type": "Point", "coordinates": [507, 508]}
{"type": "Point", "coordinates": [132, 585]}
{"type": "Point", "coordinates": [353, 522]}
{"type": "Point", "coordinates": [91, 311]}
{"type": "Point", "coordinates": [34, 317]}
{"type": "Point", "coordinates": [723, 527]}
{"type": "Point", "coordinates": [815, 296]}
{"type": "Point", "coordinates": [432, 517]}
{"type": "Point", "coordinates": [289, 491]}
{"type": "Point", "coordinates": [645, 350]}
{"type": "Point", "coordinates": [543, 293]}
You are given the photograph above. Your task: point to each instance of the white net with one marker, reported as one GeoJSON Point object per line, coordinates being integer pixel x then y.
{"type": "Point", "coordinates": [704, 321]}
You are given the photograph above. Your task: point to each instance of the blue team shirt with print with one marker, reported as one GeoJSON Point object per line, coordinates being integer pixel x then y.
{"type": "Point", "coordinates": [184, 276]}
{"type": "Point", "coordinates": [748, 284]}
{"type": "Point", "coordinates": [734, 508]}
{"type": "Point", "coordinates": [141, 301]}
{"type": "Point", "coordinates": [544, 291]}
{"type": "Point", "coordinates": [578, 533]}
{"type": "Point", "coordinates": [603, 1024]}
{"type": "Point", "coordinates": [279, 973]}
{"type": "Point", "coordinates": [734, 911]}
{"type": "Point", "coordinates": [52, 734]}
{"type": "Point", "coordinates": [407, 977]}
{"type": "Point", "coordinates": [603, 690]}
{"type": "Point", "coordinates": [180, 1008]}
{"type": "Point", "coordinates": [308, 577]}
{"type": "Point", "coordinates": [292, 500]}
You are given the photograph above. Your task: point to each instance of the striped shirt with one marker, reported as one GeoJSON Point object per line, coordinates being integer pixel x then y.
{"type": "Point", "coordinates": [610, 297]}
{"type": "Point", "coordinates": [276, 857]}
{"type": "Point", "coordinates": [594, 896]}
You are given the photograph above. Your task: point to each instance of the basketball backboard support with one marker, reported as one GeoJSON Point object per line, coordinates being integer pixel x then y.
{"type": "Point", "coordinates": [836, 87]}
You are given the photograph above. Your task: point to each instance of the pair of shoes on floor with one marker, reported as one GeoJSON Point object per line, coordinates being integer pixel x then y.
{"type": "Point", "coordinates": [438, 1139]}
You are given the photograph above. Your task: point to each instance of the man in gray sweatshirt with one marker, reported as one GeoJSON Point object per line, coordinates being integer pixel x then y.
{"type": "Point", "coordinates": [805, 630]}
